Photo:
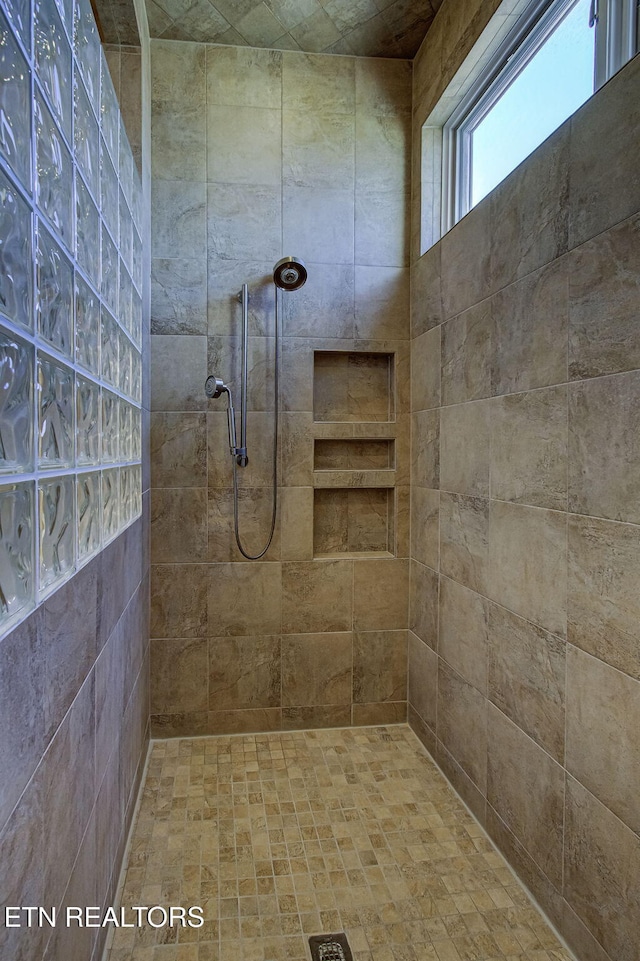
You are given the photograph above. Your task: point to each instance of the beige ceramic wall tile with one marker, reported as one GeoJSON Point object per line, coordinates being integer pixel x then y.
{"type": "Point", "coordinates": [602, 871]}
{"type": "Point", "coordinates": [324, 307]}
{"type": "Point", "coordinates": [529, 448]}
{"type": "Point", "coordinates": [462, 709]}
{"type": "Point", "coordinates": [526, 675]}
{"type": "Point", "coordinates": [425, 370]}
{"type": "Point", "coordinates": [243, 673]}
{"type": "Point", "coordinates": [426, 292]}
{"type": "Point", "coordinates": [423, 680]}
{"type": "Point", "coordinates": [604, 417]}
{"type": "Point", "coordinates": [179, 296]}
{"type": "Point", "coordinates": [255, 511]}
{"type": "Point", "coordinates": [382, 303]}
{"type": "Point", "coordinates": [179, 679]}
{"type": "Point", "coordinates": [603, 602]}
{"type": "Point", "coordinates": [179, 600]}
{"type": "Point", "coordinates": [466, 262]}
{"type": "Point", "coordinates": [179, 525]}
{"type": "Point", "coordinates": [312, 83]}
{"type": "Point", "coordinates": [318, 224]}
{"type": "Point", "coordinates": [244, 145]}
{"type": "Point", "coordinates": [244, 221]}
{"type": "Point", "coordinates": [317, 596]}
{"type": "Point", "coordinates": [318, 149]}
{"type": "Point", "coordinates": [296, 523]}
{"type": "Point", "coordinates": [385, 712]}
{"type": "Point", "coordinates": [178, 218]}
{"type": "Point", "coordinates": [602, 721]}
{"type": "Point", "coordinates": [246, 77]}
{"type": "Point", "coordinates": [316, 669]}
{"type": "Point", "coordinates": [526, 787]}
{"type": "Point", "coordinates": [423, 603]}
{"type": "Point", "coordinates": [465, 451]}
{"type": "Point", "coordinates": [382, 151]}
{"type": "Point", "coordinates": [425, 506]}
{"type": "Point", "coordinates": [178, 72]}
{"type": "Point", "coordinates": [425, 449]}
{"type": "Point", "coordinates": [382, 227]}
{"type": "Point", "coordinates": [383, 86]}
{"type": "Point", "coordinates": [464, 632]}
{"type": "Point", "coordinates": [178, 450]}
{"type": "Point", "coordinates": [379, 666]}
{"type": "Point", "coordinates": [381, 594]}
{"type": "Point", "coordinates": [464, 540]}
{"type": "Point", "coordinates": [528, 549]}
{"type": "Point", "coordinates": [178, 373]}
{"type": "Point", "coordinates": [244, 599]}
{"type": "Point", "coordinates": [466, 355]}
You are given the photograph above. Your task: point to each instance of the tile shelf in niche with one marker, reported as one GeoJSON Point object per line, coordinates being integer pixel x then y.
{"type": "Point", "coordinates": [353, 479]}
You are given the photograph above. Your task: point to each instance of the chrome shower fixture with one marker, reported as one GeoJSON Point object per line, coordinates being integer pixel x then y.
{"type": "Point", "coordinates": [289, 273]}
{"type": "Point", "coordinates": [214, 387]}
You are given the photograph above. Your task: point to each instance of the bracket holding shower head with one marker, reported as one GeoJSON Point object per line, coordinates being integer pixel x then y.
{"type": "Point", "coordinates": [215, 387]}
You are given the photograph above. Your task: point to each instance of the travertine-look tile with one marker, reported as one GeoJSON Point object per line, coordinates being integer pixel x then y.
{"type": "Point", "coordinates": [426, 296]}
{"type": "Point", "coordinates": [320, 222]}
{"type": "Point", "coordinates": [425, 370]}
{"type": "Point", "coordinates": [423, 603]}
{"type": "Point", "coordinates": [379, 666]}
{"type": "Point", "coordinates": [425, 526]}
{"type": "Point", "coordinates": [296, 523]}
{"type": "Point", "coordinates": [526, 677]}
{"type": "Point", "coordinates": [425, 449]}
{"type": "Point", "coordinates": [382, 151]}
{"type": "Point", "coordinates": [466, 262]}
{"type": "Point", "coordinates": [312, 82]}
{"type": "Point", "coordinates": [244, 76]}
{"type": "Point", "coordinates": [382, 227]}
{"type": "Point", "coordinates": [179, 600]}
{"type": "Point", "coordinates": [244, 599]}
{"type": "Point", "coordinates": [318, 149]}
{"type": "Point", "coordinates": [324, 307]}
{"type": "Point", "coordinates": [526, 787]}
{"type": "Point", "coordinates": [22, 839]}
{"type": "Point", "coordinates": [179, 139]}
{"type": "Point", "coordinates": [465, 451]}
{"type": "Point", "coordinates": [529, 212]}
{"type": "Point", "coordinates": [179, 675]}
{"type": "Point", "coordinates": [179, 525]}
{"type": "Point", "coordinates": [602, 872]}
{"type": "Point", "coordinates": [244, 145]}
{"type": "Point", "coordinates": [461, 709]}
{"type": "Point", "coordinates": [463, 632]}
{"type": "Point", "coordinates": [380, 594]}
{"type": "Point", "coordinates": [604, 288]}
{"type": "Point", "coordinates": [255, 513]}
{"type": "Point", "coordinates": [381, 712]}
{"type": "Point", "coordinates": [178, 72]}
{"type": "Point", "coordinates": [317, 596]}
{"type": "Point", "coordinates": [316, 669]}
{"type": "Point", "coordinates": [603, 708]}
{"type": "Point", "coordinates": [179, 296]}
{"type": "Point", "coordinates": [464, 540]}
{"type": "Point", "coordinates": [529, 448]}
{"type": "Point", "coordinates": [244, 673]}
{"type": "Point", "coordinates": [528, 549]}
{"type": "Point", "coordinates": [529, 331]}
{"type": "Point", "coordinates": [178, 372]}
{"type": "Point", "coordinates": [178, 449]}
{"type": "Point", "coordinates": [244, 221]}
{"type": "Point", "coordinates": [179, 218]}
{"type": "Point", "coordinates": [604, 456]}
{"type": "Point", "coordinates": [423, 681]}
{"type": "Point", "coordinates": [466, 355]}
{"type": "Point", "coordinates": [382, 303]}
{"type": "Point", "coordinates": [603, 602]}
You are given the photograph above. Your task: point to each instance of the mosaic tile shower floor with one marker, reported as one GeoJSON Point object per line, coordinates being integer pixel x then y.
{"type": "Point", "coordinates": [280, 836]}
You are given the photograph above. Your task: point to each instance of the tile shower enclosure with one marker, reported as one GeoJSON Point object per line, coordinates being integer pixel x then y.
{"type": "Point", "coordinates": [70, 304]}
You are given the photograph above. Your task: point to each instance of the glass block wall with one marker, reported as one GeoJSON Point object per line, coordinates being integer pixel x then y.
{"type": "Point", "coordinates": [70, 303]}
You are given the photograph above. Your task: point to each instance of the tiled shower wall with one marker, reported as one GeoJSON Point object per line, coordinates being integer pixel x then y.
{"type": "Point", "coordinates": [524, 671]}
{"type": "Point", "coordinates": [74, 673]}
{"type": "Point", "coordinates": [257, 154]}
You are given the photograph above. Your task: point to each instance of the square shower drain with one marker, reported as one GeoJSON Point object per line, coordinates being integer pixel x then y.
{"type": "Point", "coordinates": [330, 947]}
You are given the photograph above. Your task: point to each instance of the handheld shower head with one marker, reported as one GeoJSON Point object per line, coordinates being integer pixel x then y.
{"type": "Point", "coordinates": [289, 273]}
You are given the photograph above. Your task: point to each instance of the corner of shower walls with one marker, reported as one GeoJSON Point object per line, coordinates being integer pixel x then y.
{"type": "Point", "coordinates": [259, 154]}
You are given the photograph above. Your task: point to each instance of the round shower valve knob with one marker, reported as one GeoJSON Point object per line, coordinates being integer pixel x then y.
{"type": "Point", "coordinates": [214, 386]}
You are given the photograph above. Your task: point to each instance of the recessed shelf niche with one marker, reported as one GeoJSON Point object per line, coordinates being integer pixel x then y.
{"type": "Point", "coordinates": [353, 386]}
{"type": "Point", "coordinates": [353, 522]}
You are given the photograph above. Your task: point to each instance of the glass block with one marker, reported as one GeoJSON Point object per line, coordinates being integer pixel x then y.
{"type": "Point", "coordinates": [136, 318]}
{"type": "Point", "coordinates": [136, 433]}
{"type": "Point", "coordinates": [16, 404]}
{"type": "Point", "coordinates": [88, 422]}
{"type": "Point", "coordinates": [136, 261]}
{"type": "Point", "coordinates": [86, 137]}
{"type": "Point", "coordinates": [125, 431]}
{"type": "Point", "coordinates": [136, 376]}
{"type": "Point", "coordinates": [88, 492]}
{"type": "Point", "coordinates": [65, 9]}
{"type": "Point", "coordinates": [87, 233]}
{"type": "Point", "coordinates": [109, 272]}
{"type": "Point", "coordinates": [125, 299]}
{"type": "Point", "coordinates": [125, 242]}
{"type": "Point", "coordinates": [126, 495]}
{"type": "Point", "coordinates": [15, 106]}
{"type": "Point", "coordinates": [53, 61]}
{"type": "Point", "coordinates": [54, 279]}
{"type": "Point", "coordinates": [88, 50]}
{"type": "Point", "coordinates": [136, 200]}
{"type": "Point", "coordinates": [55, 414]}
{"type": "Point", "coordinates": [54, 188]}
{"type": "Point", "coordinates": [126, 164]}
{"type": "Point", "coordinates": [137, 489]}
{"type": "Point", "coordinates": [125, 350]}
{"type": "Point", "coordinates": [19, 15]}
{"type": "Point", "coordinates": [56, 498]}
{"type": "Point", "coordinates": [17, 538]}
{"type": "Point", "coordinates": [110, 427]}
{"type": "Point", "coordinates": [108, 191]}
{"type": "Point", "coordinates": [110, 503]}
{"type": "Point", "coordinates": [109, 348]}
{"type": "Point", "coordinates": [109, 112]}
{"type": "Point", "coordinates": [88, 330]}
{"type": "Point", "coordinates": [16, 295]}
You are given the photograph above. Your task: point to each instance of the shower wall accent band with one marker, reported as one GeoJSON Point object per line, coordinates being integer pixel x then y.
{"type": "Point", "coordinates": [70, 329]}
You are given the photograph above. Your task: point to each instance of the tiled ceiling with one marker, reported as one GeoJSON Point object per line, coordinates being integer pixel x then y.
{"type": "Point", "coordinates": [364, 28]}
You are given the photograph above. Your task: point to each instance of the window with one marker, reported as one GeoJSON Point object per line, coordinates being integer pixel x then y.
{"type": "Point", "coordinates": [554, 59]}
